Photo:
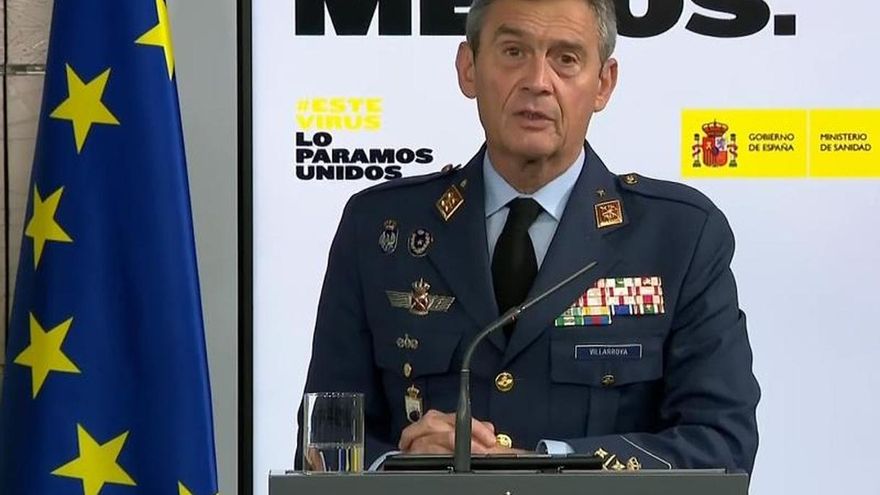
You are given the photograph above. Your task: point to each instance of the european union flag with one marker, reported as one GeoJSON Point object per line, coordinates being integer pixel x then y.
{"type": "Point", "coordinates": [106, 389]}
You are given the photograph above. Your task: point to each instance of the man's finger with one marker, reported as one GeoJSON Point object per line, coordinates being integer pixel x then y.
{"type": "Point", "coordinates": [482, 433]}
{"type": "Point", "coordinates": [433, 421]}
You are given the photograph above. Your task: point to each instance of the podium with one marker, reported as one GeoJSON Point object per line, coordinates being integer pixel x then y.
{"type": "Point", "coordinates": [646, 482]}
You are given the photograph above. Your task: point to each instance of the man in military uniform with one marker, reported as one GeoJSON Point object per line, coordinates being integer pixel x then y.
{"type": "Point", "coordinates": [643, 360]}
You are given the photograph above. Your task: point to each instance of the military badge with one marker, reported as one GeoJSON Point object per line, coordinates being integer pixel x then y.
{"type": "Point", "coordinates": [408, 343]}
{"type": "Point", "coordinates": [413, 404]}
{"type": "Point", "coordinates": [608, 214]}
{"type": "Point", "coordinates": [621, 296]}
{"type": "Point", "coordinates": [419, 301]}
{"type": "Point", "coordinates": [450, 202]}
{"type": "Point", "coordinates": [388, 237]}
{"type": "Point", "coordinates": [419, 242]}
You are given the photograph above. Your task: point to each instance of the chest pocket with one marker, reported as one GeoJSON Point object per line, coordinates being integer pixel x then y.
{"type": "Point", "coordinates": [419, 353]}
{"type": "Point", "coordinates": [616, 369]}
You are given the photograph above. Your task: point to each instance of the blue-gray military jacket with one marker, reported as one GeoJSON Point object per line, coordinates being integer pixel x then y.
{"type": "Point", "coordinates": [644, 360]}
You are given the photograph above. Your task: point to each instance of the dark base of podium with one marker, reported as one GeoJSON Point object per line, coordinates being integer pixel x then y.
{"type": "Point", "coordinates": [676, 482]}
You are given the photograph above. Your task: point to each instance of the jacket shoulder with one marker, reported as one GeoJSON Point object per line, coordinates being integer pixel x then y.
{"type": "Point", "coordinates": [666, 190]}
{"type": "Point", "coordinates": [407, 182]}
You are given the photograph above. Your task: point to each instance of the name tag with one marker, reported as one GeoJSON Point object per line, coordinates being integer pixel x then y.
{"type": "Point", "coordinates": [603, 352]}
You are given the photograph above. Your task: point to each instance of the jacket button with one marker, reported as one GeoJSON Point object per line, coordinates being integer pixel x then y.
{"type": "Point", "coordinates": [608, 380]}
{"type": "Point", "coordinates": [407, 370]}
{"type": "Point", "coordinates": [503, 440]}
{"type": "Point", "coordinates": [504, 382]}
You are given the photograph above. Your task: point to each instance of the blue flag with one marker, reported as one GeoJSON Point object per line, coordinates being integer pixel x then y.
{"type": "Point", "coordinates": [106, 386]}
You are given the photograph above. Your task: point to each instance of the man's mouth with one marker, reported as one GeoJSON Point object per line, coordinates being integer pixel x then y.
{"type": "Point", "coordinates": [533, 115]}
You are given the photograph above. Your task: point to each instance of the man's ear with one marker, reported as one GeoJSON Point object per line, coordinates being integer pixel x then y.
{"type": "Point", "coordinates": [464, 66]}
{"type": "Point", "coordinates": [607, 83]}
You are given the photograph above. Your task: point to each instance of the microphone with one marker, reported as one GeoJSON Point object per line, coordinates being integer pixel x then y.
{"type": "Point", "coordinates": [461, 459]}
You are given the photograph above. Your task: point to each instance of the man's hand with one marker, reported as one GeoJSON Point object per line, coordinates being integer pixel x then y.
{"type": "Point", "coordinates": [435, 434]}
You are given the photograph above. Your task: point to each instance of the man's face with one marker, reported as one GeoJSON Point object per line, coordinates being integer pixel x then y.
{"type": "Point", "coordinates": [537, 77]}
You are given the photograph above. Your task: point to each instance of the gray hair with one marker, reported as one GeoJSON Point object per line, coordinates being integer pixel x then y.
{"type": "Point", "coordinates": [606, 17]}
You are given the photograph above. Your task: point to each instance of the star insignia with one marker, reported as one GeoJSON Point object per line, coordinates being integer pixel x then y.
{"type": "Point", "coordinates": [96, 465]}
{"type": "Point", "coordinates": [44, 355]}
{"type": "Point", "coordinates": [83, 106]}
{"type": "Point", "coordinates": [42, 226]}
{"type": "Point", "coordinates": [160, 35]}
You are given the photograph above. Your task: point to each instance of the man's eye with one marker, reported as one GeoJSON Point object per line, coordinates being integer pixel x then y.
{"type": "Point", "coordinates": [568, 59]}
{"type": "Point", "coordinates": [512, 51]}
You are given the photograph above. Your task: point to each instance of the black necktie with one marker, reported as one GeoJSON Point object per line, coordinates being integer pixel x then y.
{"type": "Point", "coordinates": [513, 264]}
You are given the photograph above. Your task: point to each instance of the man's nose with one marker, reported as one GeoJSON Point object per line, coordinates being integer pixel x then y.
{"type": "Point", "coordinates": [538, 75]}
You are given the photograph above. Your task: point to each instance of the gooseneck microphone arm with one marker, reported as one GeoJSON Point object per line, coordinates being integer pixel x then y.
{"type": "Point", "coordinates": [461, 459]}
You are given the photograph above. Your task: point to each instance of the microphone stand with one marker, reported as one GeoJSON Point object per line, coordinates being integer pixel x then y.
{"type": "Point", "coordinates": [461, 459]}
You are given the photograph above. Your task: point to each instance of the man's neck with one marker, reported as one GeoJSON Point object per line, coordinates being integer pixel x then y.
{"type": "Point", "coordinates": [528, 176]}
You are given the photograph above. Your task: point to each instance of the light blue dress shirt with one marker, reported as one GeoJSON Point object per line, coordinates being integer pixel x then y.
{"type": "Point", "coordinates": [552, 197]}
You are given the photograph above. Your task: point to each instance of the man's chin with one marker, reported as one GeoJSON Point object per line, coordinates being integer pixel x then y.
{"type": "Point", "coordinates": [534, 153]}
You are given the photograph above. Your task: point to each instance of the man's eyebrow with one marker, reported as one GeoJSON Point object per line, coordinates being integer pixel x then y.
{"type": "Point", "coordinates": [567, 45]}
{"type": "Point", "coordinates": [505, 30]}
{"type": "Point", "coordinates": [570, 46]}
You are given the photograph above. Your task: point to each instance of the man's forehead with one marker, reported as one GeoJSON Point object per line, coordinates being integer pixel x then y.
{"type": "Point", "coordinates": [572, 40]}
{"type": "Point", "coordinates": [570, 21]}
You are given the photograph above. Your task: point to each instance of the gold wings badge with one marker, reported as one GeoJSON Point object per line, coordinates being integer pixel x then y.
{"type": "Point", "coordinates": [420, 302]}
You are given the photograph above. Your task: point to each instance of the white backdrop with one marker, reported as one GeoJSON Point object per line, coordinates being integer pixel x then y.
{"type": "Point", "coordinates": [807, 248]}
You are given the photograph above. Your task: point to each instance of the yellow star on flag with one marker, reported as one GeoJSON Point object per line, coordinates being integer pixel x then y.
{"type": "Point", "coordinates": [160, 35]}
{"type": "Point", "coordinates": [44, 353]}
{"type": "Point", "coordinates": [42, 227]}
{"type": "Point", "coordinates": [83, 105]}
{"type": "Point", "coordinates": [183, 490]}
{"type": "Point", "coordinates": [96, 465]}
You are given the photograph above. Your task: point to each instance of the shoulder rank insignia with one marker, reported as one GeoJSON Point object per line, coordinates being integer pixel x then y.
{"type": "Point", "coordinates": [608, 214]}
{"type": "Point", "coordinates": [450, 202]}
{"type": "Point", "coordinates": [419, 301]}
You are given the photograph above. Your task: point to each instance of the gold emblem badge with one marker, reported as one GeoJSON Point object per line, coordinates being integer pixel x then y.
{"type": "Point", "coordinates": [608, 214]}
{"type": "Point", "coordinates": [413, 404]}
{"type": "Point", "coordinates": [450, 202]}
{"type": "Point", "coordinates": [419, 301]}
{"type": "Point", "coordinates": [633, 464]}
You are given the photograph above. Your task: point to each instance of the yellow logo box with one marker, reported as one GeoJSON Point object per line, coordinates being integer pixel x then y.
{"type": "Point", "coordinates": [739, 143]}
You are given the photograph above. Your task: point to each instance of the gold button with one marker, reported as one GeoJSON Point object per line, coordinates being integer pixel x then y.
{"type": "Point", "coordinates": [608, 380]}
{"type": "Point", "coordinates": [503, 440]}
{"type": "Point", "coordinates": [407, 370]}
{"type": "Point", "coordinates": [631, 179]}
{"type": "Point", "coordinates": [504, 382]}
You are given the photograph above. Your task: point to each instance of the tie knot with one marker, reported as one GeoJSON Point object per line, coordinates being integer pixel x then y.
{"type": "Point", "coordinates": [523, 212]}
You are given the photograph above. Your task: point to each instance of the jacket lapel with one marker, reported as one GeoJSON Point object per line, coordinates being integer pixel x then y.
{"type": "Point", "coordinates": [461, 254]}
{"type": "Point", "coordinates": [578, 241]}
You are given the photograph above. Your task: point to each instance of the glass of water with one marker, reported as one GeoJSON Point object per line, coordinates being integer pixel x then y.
{"type": "Point", "coordinates": [333, 432]}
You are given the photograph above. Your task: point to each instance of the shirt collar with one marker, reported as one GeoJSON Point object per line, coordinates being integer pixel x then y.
{"type": "Point", "coordinates": [552, 197]}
